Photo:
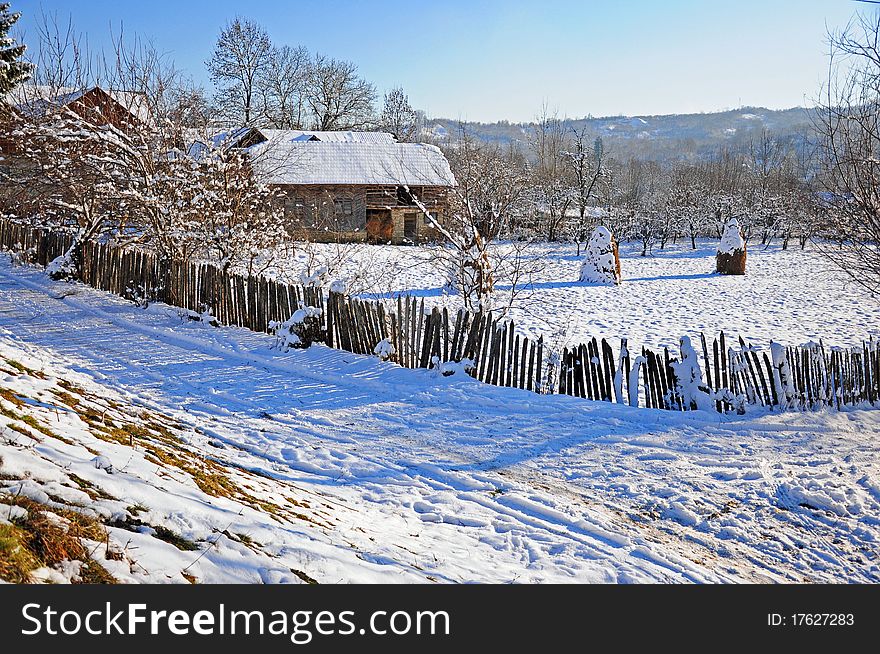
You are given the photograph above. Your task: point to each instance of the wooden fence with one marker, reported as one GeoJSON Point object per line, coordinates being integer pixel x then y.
{"type": "Point", "coordinates": [420, 337]}
{"type": "Point", "coordinates": [250, 302]}
{"type": "Point", "coordinates": [487, 346]}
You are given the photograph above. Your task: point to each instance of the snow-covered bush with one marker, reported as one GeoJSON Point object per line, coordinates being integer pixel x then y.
{"type": "Point", "coordinates": [302, 329]}
{"type": "Point", "coordinates": [62, 268]}
{"type": "Point", "coordinates": [204, 316]}
{"type": "Point", "coordinates": [20, 256]}
{"type": "Point", "coordinates": [384, 350]}
{"type": "Point", "coordinates": [314, 279]}
{"type": "Point", "coordinates": [141, 295]}
{"type": "Point", "coordinates": [124, 171]}
{"type": "Point", "coordinates": [731, 257]}
{"type": "Point", "coordinates": [449, 368]}
{"type": "Point", "coordinates": [602, 262]}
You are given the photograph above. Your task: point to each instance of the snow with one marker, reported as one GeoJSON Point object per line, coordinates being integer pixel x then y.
{"type": "Point", "coordinates": [789, 297]}
{"type": "Point", "coordinates": [731, 238]}
{"type": "Point", "coordinates": [284, 162]}
{"type": "Point", "coordinates": [394, 475]}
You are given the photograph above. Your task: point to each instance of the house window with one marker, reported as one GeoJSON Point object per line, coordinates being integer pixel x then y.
{"type": "Point", "coordinates": [344, 208]}
{"type": "Point", "coordinates": [348, 217]}
{"type": "Point", "coordinates": [299, 211]}
{"type": "Point", "coordinates": [291, 206]}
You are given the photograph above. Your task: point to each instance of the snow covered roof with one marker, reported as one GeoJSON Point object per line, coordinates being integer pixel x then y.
{"type": "Point", "coordinates": [282, 161]}
{"type": "Point", "coordinates": [329, 137]}
{"type": "Point", "coordinates": [309, 157]}
{"type": "Point", "coordinates": [233, 137]}
{"type": "Point", "coordinates": [36, 100]}
{"type": "Point", "coordinates": [135, 102]}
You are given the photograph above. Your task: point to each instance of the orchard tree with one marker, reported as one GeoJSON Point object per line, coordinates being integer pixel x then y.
{"type": "Point", "coordinates": [553, 189]}
{"type": "Point", "coordinates": [585, 162]}
{"type": "Point", "coordinates": [686, 200]}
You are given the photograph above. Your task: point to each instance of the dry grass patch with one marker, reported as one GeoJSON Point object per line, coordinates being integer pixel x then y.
{"type": "Point", "coordinates": [46, 538]}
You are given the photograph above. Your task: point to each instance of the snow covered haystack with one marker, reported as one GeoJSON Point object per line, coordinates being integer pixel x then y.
{"type": "Point", "coordinates": [731, 257]}
{"type": "Point", "coordinates": [602, 263]}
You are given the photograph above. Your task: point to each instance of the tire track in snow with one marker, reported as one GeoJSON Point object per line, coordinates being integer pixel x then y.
{"type": "Point", "coordinates": [374, 426]}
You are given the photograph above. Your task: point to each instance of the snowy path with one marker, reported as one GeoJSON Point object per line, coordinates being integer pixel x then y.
{"type": "Point", "coordinates": [443, 478]}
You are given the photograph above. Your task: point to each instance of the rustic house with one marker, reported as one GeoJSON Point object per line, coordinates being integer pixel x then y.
{"type": "Point", "coordinates": [348, 186]}
{"type": "Point", "coordinates": [125, 111]}
{"type": "Point", "coordinates": [122, 109]}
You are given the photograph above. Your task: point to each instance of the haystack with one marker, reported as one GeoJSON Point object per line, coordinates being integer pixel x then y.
{"type": "Point", "coordinates": [731, 257]}
{"type": "Point", "coordinates": [602, 262]}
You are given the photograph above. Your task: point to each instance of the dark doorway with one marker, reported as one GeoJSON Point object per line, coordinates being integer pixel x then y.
{"type": "Point", "coordinates": [410, 225]}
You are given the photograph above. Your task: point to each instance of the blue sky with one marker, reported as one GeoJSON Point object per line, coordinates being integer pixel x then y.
{"type": "Point", "coordinates": [498, 60]}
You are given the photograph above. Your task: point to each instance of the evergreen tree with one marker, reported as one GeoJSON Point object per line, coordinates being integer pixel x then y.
{"type": "Point", "coordinates": [12, 70]}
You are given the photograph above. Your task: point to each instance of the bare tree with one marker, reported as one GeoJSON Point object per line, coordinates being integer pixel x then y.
{"type": "Point", "coordinates": [282, 84]}
{"type": "Point", "coordinates": [338, 98]}
{"type": "Point", "coordinates": [687, 201]}
{"type": "Point", "coordinates": [63, 59]}
{"type": "Point", "coordinates": [553, 189]}
{"type": "Point", "coordinates": [586, 166]}
{"type": "Point", "coordinates": [491, 188]}
{"type": "Point", "coordinates": [399, 118]}
{"type": "Point", "coordinates": [639, 198]}
{"type": "Point", "coordinates": [240, 57]}
{"type": "Point", "coordinates": [848, 123]}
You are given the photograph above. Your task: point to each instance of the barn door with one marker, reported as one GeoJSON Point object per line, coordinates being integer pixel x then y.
{"type": "Point", "coordinates": [380, 226]}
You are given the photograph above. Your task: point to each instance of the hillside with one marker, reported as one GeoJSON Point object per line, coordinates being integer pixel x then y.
{"type": "Point", "coordinates": [660, 138]}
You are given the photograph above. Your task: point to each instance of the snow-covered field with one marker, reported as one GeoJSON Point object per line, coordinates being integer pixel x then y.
{"type": "Point", "coordinates": [341, 468]}
{"type": "Point", "coordinates": [789, 296]}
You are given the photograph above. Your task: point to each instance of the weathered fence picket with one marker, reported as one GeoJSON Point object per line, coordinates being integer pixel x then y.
{"type": "Point", "coordinates": [494, 351]}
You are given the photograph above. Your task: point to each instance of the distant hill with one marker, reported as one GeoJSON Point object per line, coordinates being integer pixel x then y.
{"type": "Point", "coordinates": [673, 137]}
